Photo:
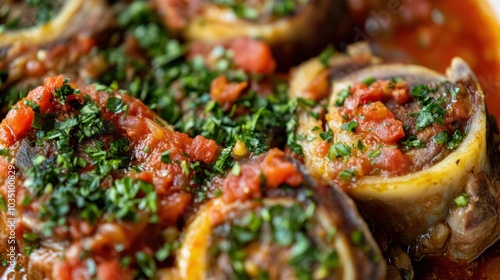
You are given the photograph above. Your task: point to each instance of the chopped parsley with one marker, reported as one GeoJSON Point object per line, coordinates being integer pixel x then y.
{"type": "Point", "coordinates": [285, 226]}
{"type": "Point", "coordinates": [461, 200]}
{"type": "Point", "coordinates": [455, 140]}
{"type": "Point", "coordinates": [338, 150]}
{"type": "Point", "coordinates": [360, 145]}
{"type": "Point", "coordinates": [368, 81]}
{"type": "Point", "coordinates": [63, 91]}
{"type": "Point", "coordinates": [243, 10]}
{"type": "Point", "coordinates": [60, 173]}
{"type": "Point", "coordinates": [429, 114]}
{"type": "Point", "coordinates": [413, 142]}
{"type": "Point", "coordinates": [165, 157]}
{"type": "Point", "coordinates": [431, 111]}
{"type": "Point", "coordinates": [164, 252]}
{"type": "Point", "coordinates": [357, 237]}
{"type": "Point", "coordinates": [325, 56]}
{"type": "Point", "coordinates": [346, 175]}
{"type": "Point", "coordinates": [33, 105]}
{"type": "Point", "coordinates": [350, 126]}
{"type": "Point", "coordinates": [123, 202]}
{"type": "Point", "coordinates": [440, 138]}
{"type": "Point", "coordinates": [373, 154]}
{"type": "Point", "coordinates": [179, 90]}
{"type": "Point", "coordinates": [341, 97]}
{"type": "Point", "coordinates": [327, 135]}
{"type": "Point", "coordinates": [45, 10]}
{"type": "Point", "coordinates": [452, 142]}
{"type": "Point", "coordinates": [236, 170]}
{"type": "Point", "coordinates": [147, 265]}
{"type": "Point", "coordinates": [455, 90]}
{"type": "Point", "coordinates": [116, 105]}
{"type": "Point", "coordinates": [185, 168]}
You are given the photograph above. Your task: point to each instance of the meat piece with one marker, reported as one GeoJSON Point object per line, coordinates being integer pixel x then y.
{"type": "Point", "coordinates": [265, 232]}
{"type": "Point", "coordinates": [69, 179]}
{"type": "Point", "coordinates": [292, 35]}
{"type": "Point", "coordinates": [447, 202]}
{"type": "Point", "coordinates": [74, 16]}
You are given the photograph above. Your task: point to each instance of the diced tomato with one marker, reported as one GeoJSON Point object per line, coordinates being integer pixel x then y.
{"type": "Point", "coordinates": [382, 90]}
{"type": "Point", "coordinates": [171, 208]}
{"type": "Point", "coordinates": [361, 164]}
{"type": "Point", "coordinates": [379, 121]}
{"type": "Point", "coordinates": [145, 176]}
{"type": "Point", "coordinates": [202, 149]}
{"type": "Point", "coordinates": [19, 120]}
{"type": "Point", "coordinates": [70, 270]}
{"type": "Point", "coordinates": [51, 83]}
{"type": "Point", "coordinates": [110, 270]}
{"type": "Point", "coordinates": [35, 68]}
{"type": "Point", "coordinates": [278, 171]}
{"type": "Point", "coordinates": [42, 97]}
{"type": "Point", "coordinates": [224, 92]}
{"type": "Point", "coordinates": [85, 43]}
{"type": "Point", "coordinates": [78, 229]}
{"type": "Point", "coordinates": [137, 107]}
{"type": "Point", "coordinates": [6, 137]}
{"type": "Point", "coordinates": [253, 56]}
{"type": "Point", "coordinates": [401, 95]}
{"type": "Point", "coordinates": [63, 271]}
{"type": "Point", "coordinates": [322, 149]}
{"type": "Point", "coordinates": [135, 127]}
{"type": "Point", "coordinates": [273, 166]}
{"type": "Point", "coordinates": [4, 167]}
{"type": "Point", "coordinates": [393, 161]}
{"type": "Point", "coordinates": [176, 13]}
{"type": "Point", "coordinates": [244, 186]}
{"type": "Point", "coordinates": [388, 131]}
{"type": "Point", "coordinates": [369, 94]}
{"type": "Point", "coordinates": [163, 183]}
{"type": "Point", "coordinates": [376, 111]}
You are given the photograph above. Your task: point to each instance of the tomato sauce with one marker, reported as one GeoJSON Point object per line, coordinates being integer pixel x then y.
{"type": "Point", "coordinates": [431, 33]}
{"type": "Point", "coordinates": [243, 183]}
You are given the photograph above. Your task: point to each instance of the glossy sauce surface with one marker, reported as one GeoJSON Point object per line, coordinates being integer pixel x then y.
{"type": "Point", "coordinates": [431, 33]}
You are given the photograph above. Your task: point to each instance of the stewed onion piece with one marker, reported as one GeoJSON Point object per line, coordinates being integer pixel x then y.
{"type": "Point", "coordinates": [312, 229]}
{"type": "Point", "coordinates": [409, 145]}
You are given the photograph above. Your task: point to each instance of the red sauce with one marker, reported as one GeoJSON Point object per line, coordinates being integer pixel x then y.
{"type": "Point", "coordinates": [431, 33]}
{"type": "Point", "coordinates": [148, 139]}
{"type": "Point", "coordinates": [465, 28]}
{"type": "Point", "coordinates": [244, 184]}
